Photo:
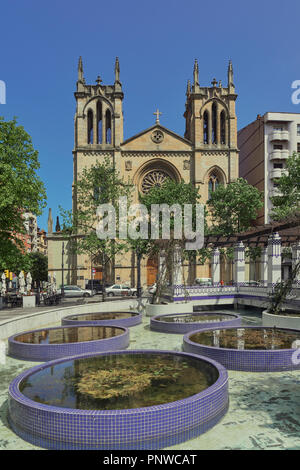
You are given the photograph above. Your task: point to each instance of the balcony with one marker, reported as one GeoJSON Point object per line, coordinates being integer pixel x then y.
{"type": "Point", "coordinates": [279, 155]}
{"type": "Point", "coordinates": [274, 192]}
{"type": "Point", "coordinates": [277, 173]}
{"type": "Point", "coordinates": [279, 135]}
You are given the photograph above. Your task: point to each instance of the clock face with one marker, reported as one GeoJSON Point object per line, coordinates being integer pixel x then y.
{"type": "Point", "coordinates": [157, 136]}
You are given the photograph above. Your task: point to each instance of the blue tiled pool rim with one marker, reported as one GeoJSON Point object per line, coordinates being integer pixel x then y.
{"type": "Point", "coordinates": [169, 327]}
{"type": "Point", "coordinates": [49, 352]}
{"type": "Point", "coordinates": [255, 360]}
{"type": "Point", "coordinates": [153, 427]}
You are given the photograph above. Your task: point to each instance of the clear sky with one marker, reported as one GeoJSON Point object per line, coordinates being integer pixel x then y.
{"type": "Point", "coordinates": [157, 43]}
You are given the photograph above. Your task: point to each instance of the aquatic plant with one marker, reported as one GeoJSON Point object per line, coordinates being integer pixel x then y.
{"type": "Point", "coordinates": [120, 379]}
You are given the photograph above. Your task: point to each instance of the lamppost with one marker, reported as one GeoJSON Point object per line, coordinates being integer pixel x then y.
{"type": "Point", "coordinates": [62, 270]}
{"type": "Point", "coordinates": [138, 287]}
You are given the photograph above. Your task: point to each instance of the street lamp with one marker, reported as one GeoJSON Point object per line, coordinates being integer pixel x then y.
{"type": "Point", "coordinates": [138, 287]}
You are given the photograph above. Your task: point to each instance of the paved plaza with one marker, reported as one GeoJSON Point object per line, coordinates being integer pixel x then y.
{"type": "Point", "coordinates": [264, 411]}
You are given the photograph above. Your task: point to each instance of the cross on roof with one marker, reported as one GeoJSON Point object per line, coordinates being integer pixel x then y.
{"type": "Point", "coordinates": [157, 113]}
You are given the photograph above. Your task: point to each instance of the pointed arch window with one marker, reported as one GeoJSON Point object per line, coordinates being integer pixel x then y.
{"type": "Point", "coordinates": [213, 183]}
{"type": "Point", "coordinates": [214, 138]}
{"type": "Point", "coordinates": [99, 122]}
{"type": "Point", "coordinates": [205, 127]}
{"type": "Point", "coordinates": [108, 126]}
{"type": "Point", "coordinates": [90, 129]}
{"type": "Point", "coordinates": [222, 127]}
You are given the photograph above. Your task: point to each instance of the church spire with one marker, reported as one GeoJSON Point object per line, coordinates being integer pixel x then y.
{"type": "Point", "coordinates": [80, 70]}
{"type": "Point", "coordinates": [196, 73]}
{"type": "Point", "coordinates": [50, 221]}
{"type": "Point", "coordinates": [188, 87]}
{"type": "Point", "coordinates": [230, 75]}
{"type": "Point", "coordinates": [117, 70]}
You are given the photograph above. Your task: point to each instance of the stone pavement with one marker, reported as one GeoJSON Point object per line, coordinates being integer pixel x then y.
{"type": "Point", "coordinates": [264, 409]}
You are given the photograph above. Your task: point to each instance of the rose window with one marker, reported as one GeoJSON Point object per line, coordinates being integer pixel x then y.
{"type": "Point", "coordinates": [152, 179]}
{"type": "Point", "coordinates": [157, 136]}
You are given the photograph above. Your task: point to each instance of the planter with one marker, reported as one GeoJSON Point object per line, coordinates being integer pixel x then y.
{"type": "Point", "coordinates": [280, 321]}
{"type": "Point", "coordinates": [28, 301]}
{"type": "Point", "coordinates": [160, 309]}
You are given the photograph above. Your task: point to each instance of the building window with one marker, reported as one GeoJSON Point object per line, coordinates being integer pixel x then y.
{"type": "Point", "coordinates": [90, 126]}
{"type": "Point", "coordinates": [278, 165]}
{"type": "Point", "coordinates": [108, 127]}
{"type": "Point", "coordinates": [276, 128]}
{"type": "Point", "coordinates": [205, 127]}
{"type": "Point", "coordinates": [214, 124]}
{"type": "Point", "coordinates": [298, 147]}
{"type": "Point", "coordinates": [99, 123]}
{"type": "Point", "coordinates": [222, 125]}
{"type": "Point", "coordinates": [213, 183]}
{"type": "Point", "coordinates": [298, 129]}
{"type": "Point", "coordinates": [278, 147]}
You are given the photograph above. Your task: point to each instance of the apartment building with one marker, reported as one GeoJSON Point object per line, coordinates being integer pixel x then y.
{"type": "Point", "coordinates": [265, 144]}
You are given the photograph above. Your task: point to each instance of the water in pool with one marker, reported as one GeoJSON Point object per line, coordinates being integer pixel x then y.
{"type": "Point", "coordinates": [102, 316]}
{"type": "Point", "coordinates": [69, 335]}
{"type": "Point", "coordinates": [247, 338]}
{"type": "Point", "coordinates": [196, 318]}
{"type": "Point", "coordinates": [121, 381]}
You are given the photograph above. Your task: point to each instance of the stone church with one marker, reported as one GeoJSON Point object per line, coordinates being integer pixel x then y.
{"type": "Point", "coordinates": [207, 154]}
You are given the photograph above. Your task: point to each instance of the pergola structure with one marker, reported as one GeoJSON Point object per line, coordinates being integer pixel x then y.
{"type": "Point", "coordinates": [288, 231]}
{"type": "Point", "coordinates": [270, 238]}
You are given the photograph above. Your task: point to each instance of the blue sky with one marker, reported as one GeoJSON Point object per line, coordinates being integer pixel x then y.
{"type": "Point", "coordinates": [157, 43]}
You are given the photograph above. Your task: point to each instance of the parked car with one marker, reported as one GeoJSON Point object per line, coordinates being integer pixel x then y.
{"type": "Point", "coordinates": [97, 285]}
{"type": "Point", "coordinates": [75, 291]}
{"type": "Point", "coordinates": [203, 281]}
{"type": "Point", "coordinates": [252, 283]}
{"type": "Point", "coordinates": [120, 289]}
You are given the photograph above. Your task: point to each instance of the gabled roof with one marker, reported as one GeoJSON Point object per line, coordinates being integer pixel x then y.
{"type": "Point", "coordinates": [163, 129]}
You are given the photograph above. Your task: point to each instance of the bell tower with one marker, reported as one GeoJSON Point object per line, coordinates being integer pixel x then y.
{"type": "Point", "coordinates": [98, 133]}
{"type": "Point", "coordinates": [211, 126]}
{"type": "Point", "coordinates": [99, 114]}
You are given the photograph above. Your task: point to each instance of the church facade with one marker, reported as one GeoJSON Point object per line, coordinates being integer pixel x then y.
{"type": "Point", "coordinates": [207, 154]}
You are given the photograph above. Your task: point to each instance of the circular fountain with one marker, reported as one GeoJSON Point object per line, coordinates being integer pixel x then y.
{"type": "Point", "coordinates": [184, 322]}
{"type": "Point", "coordinates": [135, 399]}
{"type": "Point", "coordinates": [126, 319]}
{"type": "Point", "coordinates": [248, 348]}
{"type": "Point", "coordinates": [51, 343]}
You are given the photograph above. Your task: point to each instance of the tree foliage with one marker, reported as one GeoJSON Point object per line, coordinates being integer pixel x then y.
{"type": "Point", "coordinates": [21, 190]}
{"type": "Point", "coordinates": [38, 266]}
{"type": "Point", "coordinates": [234, 207]}
{"type": "Point", "coordinates": [99, 184]}
{"type": "Point", "coordinates": [288, 202]}
{"type": "Point", "coordinates": [170, 193]}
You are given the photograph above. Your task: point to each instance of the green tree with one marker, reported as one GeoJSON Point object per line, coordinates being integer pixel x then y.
{"type": "Point", "coordinates": [170, 193]}
{"type": "Point", "coordinates": [234, 207]}
{"type": "Point", "coordinates": [21, 190]}
{"type": "Point", "coordinates": [38, 266]}
{"type": "Point", "coordinates": [100, 184]}
{"type": "Point", "coordinates": [288, 202]}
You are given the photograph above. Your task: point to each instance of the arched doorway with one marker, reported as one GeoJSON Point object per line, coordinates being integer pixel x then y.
{"type": "Point", "coordinates": [152, 270]}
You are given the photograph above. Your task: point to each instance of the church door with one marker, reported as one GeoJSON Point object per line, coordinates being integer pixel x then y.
{"type": "Point", "coordinates": [152, 269]}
